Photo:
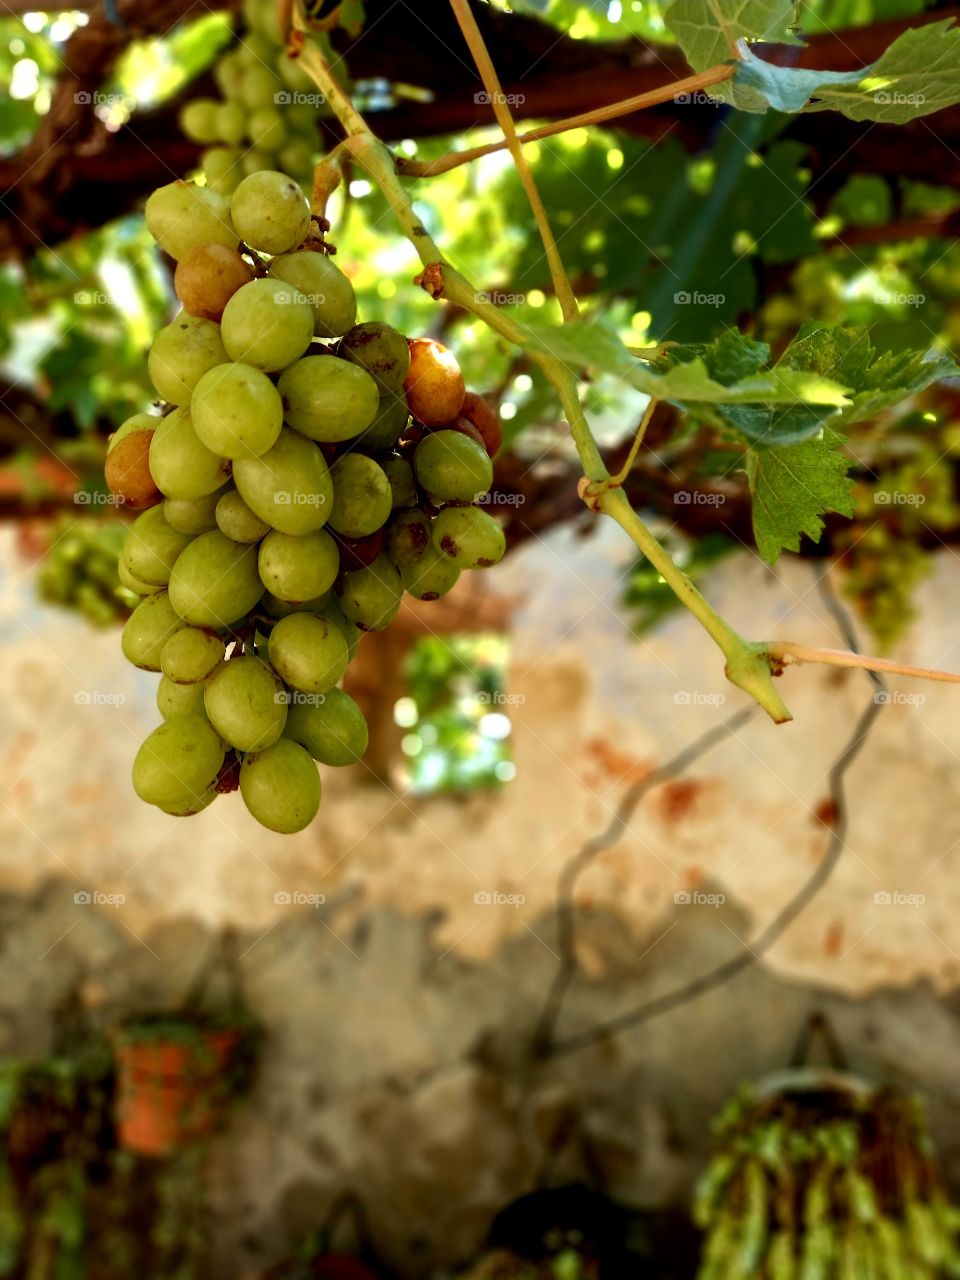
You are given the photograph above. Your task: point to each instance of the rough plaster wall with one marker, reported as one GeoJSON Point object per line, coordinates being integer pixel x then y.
{"type": "Point", "coordinates": [398, 1011]}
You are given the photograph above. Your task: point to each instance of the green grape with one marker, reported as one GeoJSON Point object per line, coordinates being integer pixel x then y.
{"type": "Point", "coordinates": [327, 399]}
{"type": "Point", "coordinates": [199, 120]}
{"type": "Point", "coordinates": [190, 655]}
{"type": "Point", "coordinates": [289, 486]}
{"type": "Point", "coordinates": [237, 411]}
{"type": "Point", "coordinates": [261, 16]}
{"type": "Point", "coordinates": [178, 763]}
{"type": "Point", "coordinates": [221, 168]}
{"type": "Point", "coordinates": [407, 538]}
{"type": "Point", "coordinates": [351, 633]}
{"type": "Point", "coordinates": [181, 354]}
{"type": "Point", "coordinates": [452, 467]}
{"type": "Point", "coordinates": [471, 536]}
{"type": "Point", "coordinates": [134, 584]}
{"type": "Point", "coordinates": [180, 463]}
{"type": "Point", "coordinates": [152, 546]}
{"type": "Point", "coordinates": [179, 699]}
{"type": "Point", "coordinates": [259, 48]}
{"type": "Point", "coordinates": [403, 486]}
{"type": "Point", "coordinates": [431, 576]}
{"type": "Point", "coordinates": [228, 73]}
{"type": "Point", "coordinates": [255, 161]}
{"type": "Point", "coordinates": [183, 215]}
{"type": "Point", "coordinates": [260, 88]}
{"type": "Point", "coordinates": [215, 581]}
{"type": "Point", "coordinates": [297, 157]}
{"type": "Point", "coordinates": [381, 350]}
{"type": "Point", "coordinates": [207, 278]}
{"type": "Point", "coordinates": [274, 607]}
{"type": "Point", "coordinates": [371, 597]}
{"type": "Point", "coordinates": [298, 567]}
{"type": "Point", "coordinates": [269, 212]}
{"type": "Point", "coordinates": [231, 123]}
{"type": "Point", "coordinates": [139, 422]}
{"type": "Point", "coordinates": [309, 652]}
{"type": "Point", "coordinates": [236, 521]}
{"type": "Point", "coordinates": [266, 324]}
{"type": "Point", "coordinates": [362, 498]}
{"type": "Point", "coordinates": [331, 727]}
{"type": "Point", "coordinates": [152, 623]}
{"type": "Point", "coordinates": [188, 808]}
{"type": "Point", "coordinates": [246, 703]}
{"type": "Point", "coordinates": [327, 289]}
{"type": "Point", "coordinates": [292, 74]}
{"type": "Point", "coordinates": [266, 129]}
{"type": "Point", "coordinates": [192, 515]}
{"type": "Point", "coordinates": [281, 787]}
{"type": "Point", "coordinates": [386, 428]}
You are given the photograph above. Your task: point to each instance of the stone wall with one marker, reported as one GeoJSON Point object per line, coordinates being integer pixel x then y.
{"type": "Point", "coordinates": [399, 1012]}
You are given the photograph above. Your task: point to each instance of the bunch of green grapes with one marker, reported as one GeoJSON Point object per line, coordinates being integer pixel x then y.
{"type": "Point", "coordinates": [830, 1181]}
{"type": "Point", "coordinates": [287, 500]}
{"type": "Point", "coordinates": [266, 117]}
{"type": "Point", "coordinates": [79, 569]}
{"type": "Point", "coordinates": [883, 550]}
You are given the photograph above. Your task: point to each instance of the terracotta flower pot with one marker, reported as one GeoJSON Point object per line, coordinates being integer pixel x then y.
{"type": "Point", "coordinates": [169, 1091]}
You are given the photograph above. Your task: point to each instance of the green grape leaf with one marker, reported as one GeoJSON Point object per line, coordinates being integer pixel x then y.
{"type": "Point", "coordinates": [917, 75]}
{"type": "Point", "coordinates": [727, 372]}
{"type": "Point", "coordinates": [793, 487]}
{"type": "Point", "coordinates": [875, 380]}
{"type": "Point", "coordinates": [708, 30]}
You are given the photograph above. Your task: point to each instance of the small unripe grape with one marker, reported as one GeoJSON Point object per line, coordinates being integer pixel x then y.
{"type": "Point", "coordinates": [407, 538]}
{"type": "Point", "coordinates": [151, 547]}
{"type": "Point", "coordinates": [387, 427]}
{"type": "Point", "coordinates": [349, 630]}
{"type": "Point", "coordinates": [148, 629]}
{"type": "Point", "coordinates": [179, 699]}
{"type": "Point", "coordinates": [266, 324]}
{"type": "Point", "coordinates": [432, 576]}
{"type": "Point", "coordinates": [237, 411]}
{"type": "Point", "coordinates": [362, 498]}
{"type": "Point", "coordinates": [298, 567]}
{"type": "Point", "coordinates": [298, 155]}
{"type": "Point", "coordinates": [183, 215]}
{"type": "Point", "coordinates": [181, 463]}
{"type": "Point", "coordinates": [231, 123]}
{"type": "Point", "coordinates": [403, 486]}
{"type": "Point", "coordinates": [215, 581]}
{"type": "Point", "coordinates": [255, 161]}
{"type": "Point", "coordinates": [452, 467]}
{"type": "Point", "coordinates": [270, 212]}
{"type": "Point", "coordinates": [332, 728]}
{"type": "Point", "coordinates": [325, 287]}
{"type": "Point", "coordinates": [281, 786]}
{"type": "Point", "coordinates": [266, 129]}
{"type": "Point", "coordinates": [182, 352]}
{"type": "Point", "coordinates": [236, 521]}
{"type": "Point", "coordinates": [127, 468]}
{"type": "Point", "coordinates": [199, 120]}
{"type": "Point", "coordinates": [470, 536]}
{"type": "Point", "coordinates": [478, 411]}
{"type": "Point", "coordinates": [260, 89]}
{"type": "Point", "coordinates": [190, 654]}
{"type": "Point", "coordinates": [371, 597]}
{"type": "Point", "coordinates": [292, 74]}
{"type": "Point", "coordinates": [207, 277]}
{"type": "Point", "coordinates": [289, 486]}
{"type": "Point", "coordinates": [327, 399]}
{"type": "Point", "coordinates": [134, 584]}
{"type": "Point", "coordinates": [192, 515]}
{"type": "Point", "coordinates": [222, 169]}
{"type": "Point", "coordinates": [434, 384]}
{"type": "Point", "coordinates": [178, 763]}
{"type": "Point", "coordinates": [381, 350]}
{"type": "Point", "coordinates": [246, 704]}
{"type": "Point", "coordinates": [308, 652]}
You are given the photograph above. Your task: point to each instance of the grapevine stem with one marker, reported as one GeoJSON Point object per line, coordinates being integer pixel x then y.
{"type": "Point", "coordinates": [747, 664]}
{"type": "Point", "coordinates": [453, 159]}
{"type": "Point", "coordinates": [624, 471]}
{"type": "Point", "coordinates": [491, 82]}
{"type": "Point", "coordinates": [788, 653]}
